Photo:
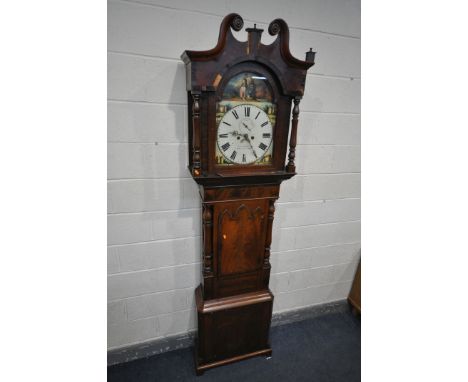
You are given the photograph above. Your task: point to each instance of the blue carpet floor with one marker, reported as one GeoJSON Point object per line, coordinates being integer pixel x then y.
{"type": "Point", "coordinates": [322, 349]}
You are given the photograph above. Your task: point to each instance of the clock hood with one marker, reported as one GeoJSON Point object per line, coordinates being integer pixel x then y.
{"type": "Point", "coordinates": [206, 68]}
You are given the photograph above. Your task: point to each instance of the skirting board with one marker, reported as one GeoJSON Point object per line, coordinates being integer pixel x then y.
{"type": "Point", "coordinates": [147, 349]}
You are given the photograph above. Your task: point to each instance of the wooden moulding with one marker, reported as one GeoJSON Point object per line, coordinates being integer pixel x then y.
{"type": "Point", "coordinates": [224, 194]}
{"type": "Point", "coordinates": [200, 369]}
{"type": "Point", "coordinates": [236, 301]}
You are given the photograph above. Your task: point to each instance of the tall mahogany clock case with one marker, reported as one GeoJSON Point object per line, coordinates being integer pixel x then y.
{"type": "Point", "coordinates": [240, 96]}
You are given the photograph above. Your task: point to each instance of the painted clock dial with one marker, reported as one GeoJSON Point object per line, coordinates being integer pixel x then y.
{"type": "Point", "coordinates": [245, 134]}
{"type": "Point", "coordinates": [245, 117]}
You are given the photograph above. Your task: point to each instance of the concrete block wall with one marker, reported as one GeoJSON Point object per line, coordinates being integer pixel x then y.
{"type": "Point", "coordinates": [153, 207]}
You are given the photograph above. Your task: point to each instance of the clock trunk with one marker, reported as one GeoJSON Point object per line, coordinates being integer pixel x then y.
{"type": "Point", "coordinates": [234, 303]}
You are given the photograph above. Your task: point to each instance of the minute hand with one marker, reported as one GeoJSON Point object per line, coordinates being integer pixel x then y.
{"type": "Point", "coordinates": [246, 137]}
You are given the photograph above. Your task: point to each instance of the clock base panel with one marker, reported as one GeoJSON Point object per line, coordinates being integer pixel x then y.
{"type": "Point", "coordinates": [232, 328]}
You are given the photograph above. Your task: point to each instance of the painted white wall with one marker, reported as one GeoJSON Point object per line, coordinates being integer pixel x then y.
{"type": "Point", "coordinates": [153, 205]}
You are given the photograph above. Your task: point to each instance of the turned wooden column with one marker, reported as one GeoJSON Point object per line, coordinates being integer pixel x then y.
{"type": "Point", "coordinates": [196, 135]}
{"type": "Point", "coordinates": [291, 167]}
{"type": "Point", "coordinates": [266, 258]}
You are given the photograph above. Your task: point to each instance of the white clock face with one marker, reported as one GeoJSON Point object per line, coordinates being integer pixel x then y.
{"type": "Point", "coordinates": [244, 134]}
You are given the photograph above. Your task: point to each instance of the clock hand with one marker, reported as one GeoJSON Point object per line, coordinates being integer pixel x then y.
{"type": "Point", "coordinates": [247, 127]}
{"type": "Point", "coordinates": [246, 137]}
{"type": "Point", "coordinates": [235, 133]}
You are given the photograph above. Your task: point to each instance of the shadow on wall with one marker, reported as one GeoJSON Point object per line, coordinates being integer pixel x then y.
{"type": "Point", "coordinates": [184, 203]}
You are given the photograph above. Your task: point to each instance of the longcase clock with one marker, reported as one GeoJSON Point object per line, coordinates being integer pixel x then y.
{"type": "Point", "coordinates": [240, 96]}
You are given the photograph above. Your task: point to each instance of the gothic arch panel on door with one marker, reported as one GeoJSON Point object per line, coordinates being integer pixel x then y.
{"type": "Point", "coordinates": [241, 229]}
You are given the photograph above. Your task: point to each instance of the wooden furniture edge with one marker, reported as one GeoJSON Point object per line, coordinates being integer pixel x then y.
{"type": "Point", "coordinates": [200, 369]}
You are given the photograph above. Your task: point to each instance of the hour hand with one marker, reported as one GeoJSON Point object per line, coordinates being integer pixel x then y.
{"type": "Point", "coordinates": [247, 127]}
{"type": "Point", "coordinates": [234, 132]}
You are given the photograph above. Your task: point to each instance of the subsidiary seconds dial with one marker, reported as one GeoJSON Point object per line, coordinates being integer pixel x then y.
{"type": "Point", "coordinates": [244, 134]}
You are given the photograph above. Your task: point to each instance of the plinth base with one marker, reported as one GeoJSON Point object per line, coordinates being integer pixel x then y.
{"type": "Point", "coordinates": [231, 329]}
